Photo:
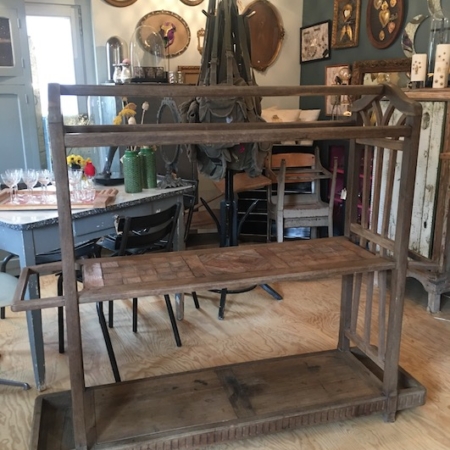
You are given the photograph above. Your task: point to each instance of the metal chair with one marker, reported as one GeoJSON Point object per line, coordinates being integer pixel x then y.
{"type": "Point", "coordinates": [139, 235]}
{"type": "Point", "coordinates": [8, 285]}
{"type": "Point", "coordinates": [290, 208]}
{"type": "Point", "coordinates": [88, 249]}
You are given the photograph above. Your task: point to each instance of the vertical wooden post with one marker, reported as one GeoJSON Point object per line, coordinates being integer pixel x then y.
{"type": "Point", "coordinates": [404, 210]}
{"type": "Point", "coordinates": [77, 382]}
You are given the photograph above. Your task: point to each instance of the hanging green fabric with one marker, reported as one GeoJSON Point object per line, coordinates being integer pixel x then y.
{"type": "Point", "coordinates": [226, 60]}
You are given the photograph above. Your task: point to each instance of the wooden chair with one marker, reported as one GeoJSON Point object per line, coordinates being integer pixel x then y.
{"type": "Point", "coordinates": [298, 209]}
{"type": "Point", "coordinates": [8, 285]}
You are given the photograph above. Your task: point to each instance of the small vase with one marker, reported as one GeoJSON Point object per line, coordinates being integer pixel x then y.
{"type": "Point", "coordinates": [132, 172]}
{"type": "Point", "coordinates": [148, 157]}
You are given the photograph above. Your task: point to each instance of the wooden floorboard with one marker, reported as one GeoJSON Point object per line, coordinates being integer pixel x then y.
{"type": "Point", "coordinates": [256, 327]}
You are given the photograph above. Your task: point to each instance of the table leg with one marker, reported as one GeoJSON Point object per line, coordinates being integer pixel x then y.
{"type": "Point", "coordinates": [34, 318]}
{"type": "Point", "coordinates": [34, 322]}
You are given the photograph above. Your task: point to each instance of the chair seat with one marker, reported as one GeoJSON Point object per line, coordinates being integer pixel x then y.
{"type": "Point", "coordinates": [8, 285]}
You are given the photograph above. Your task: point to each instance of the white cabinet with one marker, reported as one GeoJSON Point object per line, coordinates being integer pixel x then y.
{"type": "Point", "coordinates": [429, 239]}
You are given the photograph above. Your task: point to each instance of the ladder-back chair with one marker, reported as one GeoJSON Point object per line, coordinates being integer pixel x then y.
{"type": "Point", "coordinates": [288, 207]}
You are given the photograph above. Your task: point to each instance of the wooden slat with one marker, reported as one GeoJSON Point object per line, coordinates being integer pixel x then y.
{"type": "Point", "coordinates": [179, 90]}
{"type": "Point", "coordinates": [392, 144]}
{"type": "Point", "coordinates": [227, 133]}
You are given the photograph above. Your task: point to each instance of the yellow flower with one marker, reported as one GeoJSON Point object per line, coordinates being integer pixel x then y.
{"type": "Point", "coordinates": [70, 159]}
{"type": "Point", "coordinates": [79, 160]}
{"type": "Point", "coordinates": [127, 112]}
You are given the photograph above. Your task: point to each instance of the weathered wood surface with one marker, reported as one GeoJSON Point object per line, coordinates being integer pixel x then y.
{"type": "Point", "coordinates": [256, 267]}
{"type": "Point", "coordinates": [256, 327]}
{"type": "Point", "coordinates": [222, 404]}
{"type": "Point", "coordinates": [232, 267]}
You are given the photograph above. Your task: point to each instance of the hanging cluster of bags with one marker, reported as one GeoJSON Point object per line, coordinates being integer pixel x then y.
{"type": "Point", "coordinates": [225, 61]}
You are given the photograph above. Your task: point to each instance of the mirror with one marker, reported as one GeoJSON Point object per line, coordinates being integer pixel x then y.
{"type": "Point", "coordinates": [395, 71]}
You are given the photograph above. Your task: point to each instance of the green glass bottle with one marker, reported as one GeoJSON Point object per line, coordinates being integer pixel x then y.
{"type": "Point", "coordinates": [148, 156]}
{"type": "Point", "coordinates": [132, 172]}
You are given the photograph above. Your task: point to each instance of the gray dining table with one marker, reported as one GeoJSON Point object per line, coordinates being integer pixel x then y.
{"type": "Point", "coordinates": [31, 232]}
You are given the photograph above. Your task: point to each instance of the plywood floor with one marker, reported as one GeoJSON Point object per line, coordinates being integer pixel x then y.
{"type": "Point", "coordinates": [256, 327]}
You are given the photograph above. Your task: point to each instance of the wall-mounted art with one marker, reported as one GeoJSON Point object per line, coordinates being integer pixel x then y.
{"type": "Point", "coordinates": [384, 21]}
{"type": "Point", "coordinates": [335, 74]}
{"type": "Point", "coordinates": [172, 28]}
{"type": "Point", "coordinates": [315, 42]}
{"type": "Point", "coordinates": [346, 20]}
{"type": "Point", "coordinates": [266, 33]}
{"type": "Point", "coordinates": [395, 71]}
{"type": "Point", "coordinates": [191, 2]}
{"type": "Point", "coordinates": [120, 3]}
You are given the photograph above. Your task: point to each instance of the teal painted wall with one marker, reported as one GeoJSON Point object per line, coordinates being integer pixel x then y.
{"type": "Point", "coordinates": [313, 73]}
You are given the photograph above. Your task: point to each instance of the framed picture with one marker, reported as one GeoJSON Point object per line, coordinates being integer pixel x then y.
{"type": "Point", "coordinates": [172, 27]}
{"type": "Point", "coordinates": [334, 75]}
{"type": "Point", "coordinates": [375, 71]}
{"type": "Point", "coordinates": [384, 20]}
{"type": "Point", "coordinates": [315, 42]}
{"type": "Point", "coordinates": [346, 20]}
{"type": "Point", "coordinates": [190, 74]}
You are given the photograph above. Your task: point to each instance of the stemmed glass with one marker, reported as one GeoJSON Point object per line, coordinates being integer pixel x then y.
{"type": "Point", "coordinates": [11, 179]}
{"type": "Point", "coordinates": [30, 178]}
{"type": "Point", "coordinates": [44, 178]}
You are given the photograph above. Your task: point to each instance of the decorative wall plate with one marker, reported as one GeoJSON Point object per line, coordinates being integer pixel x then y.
{"type": "Point", "coordinates": [173, 29]}
{"type": "Point", "coordinates": [384, 21]}
{"type": "Point", "coordinates": [266, 33]}
{"type": "Point", "coordinates": [120, 3]}
{"type": "Point", "coordinates": [191, 2]}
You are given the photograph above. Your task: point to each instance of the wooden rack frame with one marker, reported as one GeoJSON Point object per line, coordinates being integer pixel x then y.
{"type": "Point", "coordinates": [361, 376]}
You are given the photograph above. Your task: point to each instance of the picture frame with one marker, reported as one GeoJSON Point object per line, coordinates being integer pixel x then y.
{"type": "Point", "coordinates": [190, 74]}
{"type": "Point", "coordinates": [120, 3]}
{"type": "Point", "coordinates": [159, 19]}
{"type": "Point", "coordinates": [315, 42]}
{"type": "Point", "coordinates": [346, 20]}
{"type": "Point", "coordinates": [331, 72]}
{"type": "Point", "coordinates": [191, 2]}
{"type": "Point", "coordinates": [384, 20]}
{"type": "Point", "coordinates": [266, 33]}
{"type": "Point", "coordinates": [396, 71]}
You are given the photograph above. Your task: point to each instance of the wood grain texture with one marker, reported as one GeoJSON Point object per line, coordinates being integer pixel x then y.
{"type": "Point", "coordinates": [257, 327]}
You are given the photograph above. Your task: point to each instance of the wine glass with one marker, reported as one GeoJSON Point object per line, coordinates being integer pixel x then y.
{"type": "Point", "coordinates": [44, 178]}
{"type": "Point", "coordinates": [8, 180]}
{"type": "Point", "coordinates": [30, 178]}
{"type": "Point", "coordinates": [11, 179]}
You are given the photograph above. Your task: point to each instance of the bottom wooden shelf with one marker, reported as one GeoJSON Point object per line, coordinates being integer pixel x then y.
{"type": "Point", "coordinates": [225, 403]}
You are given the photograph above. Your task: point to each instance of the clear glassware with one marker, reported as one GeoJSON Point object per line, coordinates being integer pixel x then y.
{"type": "Point", "coordinates": [147, 55]}
{"type": "Point", "coordinates": [10, 179]}
{"type": "Point", "coordinates": [75, 176]}
{"type": "Point", "coordinates": [30, 178]}
{"type": "Point", "coordinates": [44, 178]}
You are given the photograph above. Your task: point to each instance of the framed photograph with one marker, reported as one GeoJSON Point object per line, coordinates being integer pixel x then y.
{"type": "Point", "coordinates": [346, 18]}
{"type": "Point", "coordinates": [315, 42]}
{"type": "Point", "coordinates": [384, 20]}
{"type": "Point", "coordinates": [335, 75]}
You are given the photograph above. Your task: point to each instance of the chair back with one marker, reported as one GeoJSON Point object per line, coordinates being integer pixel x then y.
{"type": "Point", "coordinates": [147, 233]}
{"type": "Point", "coordinates": [293, 160]}
{"type": "Point", "coordinates": [189, 201]}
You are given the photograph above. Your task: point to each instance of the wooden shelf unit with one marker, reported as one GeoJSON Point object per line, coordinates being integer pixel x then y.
{"type": "Point", "coordinates": [238, 401]}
